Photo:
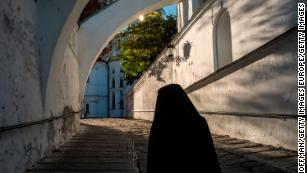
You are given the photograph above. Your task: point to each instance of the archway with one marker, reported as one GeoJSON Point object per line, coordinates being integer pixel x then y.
{"type": "Point", "coordinates": [87, 42]}
{"type": "Point", "coordinates": [99, 29]}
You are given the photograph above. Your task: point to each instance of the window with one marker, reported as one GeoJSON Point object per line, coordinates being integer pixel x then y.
{"type": "Point", "coordinates": [113, 100]}
{"type": "Point", "coordinates": [87, 108]}
{"type": "Point", "coordinates": [121, 82]}
{"type": "Point", "coordinates": [113, 71]}
{"type": "Point", "coordinates": [222, 39]}
{"type": "Point", "coordinates": [113, 82]}
{"type": "Point", "coordinates": [114, 51]}
{"type": "Point", "coordinates": [121, 100]}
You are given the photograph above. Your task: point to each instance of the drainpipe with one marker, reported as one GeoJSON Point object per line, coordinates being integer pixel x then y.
{"type": "Point", "coordinates": [108, 87]}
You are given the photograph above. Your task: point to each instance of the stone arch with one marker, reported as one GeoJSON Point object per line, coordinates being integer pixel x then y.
{"type": "Point", "coordinates": [222, 39]}
{"type": "Point", "coordinates": [52, 72]}
{"type": "Point", "coordinates": [90, 38]}
{"type": "Point", "coordinates": [98, 30]}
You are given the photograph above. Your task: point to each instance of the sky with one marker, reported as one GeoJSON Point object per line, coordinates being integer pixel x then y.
{"type": "Point", "coordinates": [171, 9]}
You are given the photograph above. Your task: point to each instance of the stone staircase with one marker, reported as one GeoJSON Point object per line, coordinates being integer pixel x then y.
{"type": "Point", "coordinates": [120, 146]}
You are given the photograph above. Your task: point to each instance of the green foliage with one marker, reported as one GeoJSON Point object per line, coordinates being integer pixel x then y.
{"type": "Point", "coordinates": [141, 42]}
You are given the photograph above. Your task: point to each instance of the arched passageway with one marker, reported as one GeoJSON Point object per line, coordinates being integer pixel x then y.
{"type": "Point", "coordinates": [83, 44]}
{"type": "Point", "coordinates": [40, 105]}
{"type": "Point", "coordinates": [49, 104]}
{"type": "Point", "coordinates": [99, 29]}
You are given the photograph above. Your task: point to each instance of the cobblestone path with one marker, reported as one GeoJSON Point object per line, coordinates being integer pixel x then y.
{"type": "Point", "coordinates": [120, 146]}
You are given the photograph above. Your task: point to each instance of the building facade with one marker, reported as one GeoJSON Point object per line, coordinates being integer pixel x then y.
{"type": "Point", "coordinates": [105, 90]}
{"type": "Point", "coordinates": [49, 82]}
{"type": "Point", "coordinates": [237, 61]}
{"type": "Point", "coordinates": [96, 93]}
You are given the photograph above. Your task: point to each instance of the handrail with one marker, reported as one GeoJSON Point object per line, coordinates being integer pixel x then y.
{"type": "Point", "coordinates": [232, 67]}
{"type": "Point", "coordinates": [244, 61]}
{"type": "Point", "coordinates": [258, 115]}
{"type": "Point", "coordinates": [27, 124]}
{"type": "Point", "coordinates": [242, 114]}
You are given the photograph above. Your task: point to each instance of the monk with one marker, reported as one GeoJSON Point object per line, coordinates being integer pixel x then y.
{"type": "Point", "coordinates": [180, 139]}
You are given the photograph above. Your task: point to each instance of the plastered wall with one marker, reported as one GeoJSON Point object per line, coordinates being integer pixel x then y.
{"type": "Point", "coordinates": [25, 48]}
{"type": "Point", "coordinates": [266, 85]}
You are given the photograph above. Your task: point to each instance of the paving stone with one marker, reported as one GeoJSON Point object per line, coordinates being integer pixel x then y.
{"type": "Point", "coordinates": [120, 146]}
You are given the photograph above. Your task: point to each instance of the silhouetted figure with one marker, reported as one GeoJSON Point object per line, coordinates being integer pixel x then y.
{"type": "Point", "coordinates": [180, 139]}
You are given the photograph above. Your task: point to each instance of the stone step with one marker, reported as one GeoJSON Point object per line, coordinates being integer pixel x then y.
{"type": "Point", "coordinates": [120, 146]}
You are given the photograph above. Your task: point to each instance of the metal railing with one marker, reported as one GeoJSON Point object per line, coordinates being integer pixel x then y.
{"type": "Point", "coordinates": [244, 61]}
{"type": "Point", "coordinates": [239, 114]}
{"type": "Point", "coordinates": [27, 124]}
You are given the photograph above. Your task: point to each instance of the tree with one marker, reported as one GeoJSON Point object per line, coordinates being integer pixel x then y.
{"type": "Point", "coordinates": [141, 42]}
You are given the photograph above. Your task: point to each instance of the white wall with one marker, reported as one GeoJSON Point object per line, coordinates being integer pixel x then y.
{"type": "Point", "coordinates": [244, 39]}
{"type": "Point", "coordinates": [45, 61]}
{"type": "Point", "coordinates": [266, 86]}
{"type": "Point", "coordinates": [96, 92]}
{"type": "Point", "coordinates": [40, 71]}
{"type": "Point", "coordinates": [98, 80]}
{"type": "Point", "coordinates": [98, 106]}
{"type": "Point", "coordinates": [28, 38]}
{"type": "Point", "coordinates": [141, 99]}
{"type": "Point", "coordinates": [20, 91]}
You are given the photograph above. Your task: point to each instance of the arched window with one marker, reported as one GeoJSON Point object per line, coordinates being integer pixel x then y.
{"type": "Point", "coordinates": [222, 40]}
{"type": "Point", "coordinates": [113, 100]}
{"type": "Point", "coordinates": [87, 108]}
{"type": "Point", "coordinates": [121, 100]}
{"type": "Point", "coordinates": [121, 82]}
{"type": "Point", "coordinates": [113, 82]}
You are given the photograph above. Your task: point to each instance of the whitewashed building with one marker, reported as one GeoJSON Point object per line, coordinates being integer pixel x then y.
{"type": "Point", "coordinates": [105, 89]}
{"type": "Point", "coordinates": [96, 93]}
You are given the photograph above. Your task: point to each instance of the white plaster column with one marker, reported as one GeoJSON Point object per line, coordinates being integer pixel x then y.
{"type": "Point", "coordinates": [180, 22]}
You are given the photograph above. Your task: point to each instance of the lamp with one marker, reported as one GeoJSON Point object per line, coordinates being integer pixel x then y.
{"type": "Point", "coordinates": [141, 18]}
{"type": "Point", "coordinates": [169, 52]}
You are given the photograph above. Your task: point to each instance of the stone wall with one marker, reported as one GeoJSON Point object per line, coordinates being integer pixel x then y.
{"type": "Point", "coordinates": [27, 42]}
{"type": "Point", "coordinates": [141, 99]}
{"type": "Point", "coordinates": [261, 81]}
{"type": "Point", "coordinates": [265, 88]}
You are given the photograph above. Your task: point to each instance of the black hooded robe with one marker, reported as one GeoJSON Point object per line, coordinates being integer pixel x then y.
{"type": "Point", "coordinates": [180, 139]}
